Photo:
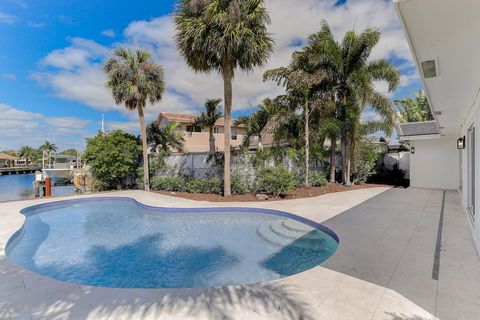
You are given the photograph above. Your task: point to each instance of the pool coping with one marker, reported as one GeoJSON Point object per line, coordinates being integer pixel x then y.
{"type": "Point", "coordinates": [279, 213]}
{"type": "Point", "coordinates": [30, 211]}
{"type": "Point", "coordinates": [300, 290]}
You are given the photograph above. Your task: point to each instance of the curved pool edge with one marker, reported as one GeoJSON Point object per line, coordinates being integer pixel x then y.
{"type": "Point", "coordinates": [213, 209]}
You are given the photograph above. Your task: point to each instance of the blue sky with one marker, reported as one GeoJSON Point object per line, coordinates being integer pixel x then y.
{"type": "Point", "coordinates": [51, 84]}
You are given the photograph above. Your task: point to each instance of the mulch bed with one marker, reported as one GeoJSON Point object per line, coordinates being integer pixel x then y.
{"type": "Point", "coordinates": [294, 194]}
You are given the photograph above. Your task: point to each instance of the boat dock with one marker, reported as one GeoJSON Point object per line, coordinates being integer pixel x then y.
{"type": "Point", "coordinates": [19, 170]}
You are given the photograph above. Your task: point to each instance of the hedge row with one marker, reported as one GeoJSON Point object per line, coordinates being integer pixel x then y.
{"type": "Point", "coordinates": [270, 180]}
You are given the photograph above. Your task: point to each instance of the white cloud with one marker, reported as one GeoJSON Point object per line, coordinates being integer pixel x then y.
{"type": "Point", "coordinates": [108, 33]}
{"type": "Point", "coordinates": [81, 53]}
{"type": "Point", "coordinates": [20, 127]}
{"type": "Point", "coordinates": [7, 18]}
{"type": "Point", "coordinates": [75, 73]}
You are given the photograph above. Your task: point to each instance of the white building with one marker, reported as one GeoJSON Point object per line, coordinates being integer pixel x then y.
{"type": "Point", "coordinates": [444, 37]}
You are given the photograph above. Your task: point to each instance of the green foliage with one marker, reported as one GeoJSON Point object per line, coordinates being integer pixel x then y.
{"type": "Point", "coordinates": [367, 159]}
{"type": "Point", "coordinates": [30, 154]}
{"type": "Point", "coordinates": [215, 32]}
{"type": "Point", "coordinates": [48, 147]}
{"type": "Point", "coordinates": [156, 162]}
{"type": "Point", "coordinates": [260, 158]}
{"type": "Point", "coordinates": [317, 179]}
{"type": "Point", "coordinates": [275, 180]}
{"type": "Point", "coordinates": [70, 152]}
{"type": "Point", "coordinates": [176, 184]}
{"type": "Point", "coordinates": [113, 157]}
{"type": "Point", "coordinates": [212, 185]}
{"type": "Point", "coordinates": [240, 184]}
{"type": "Point", "coordinates": [166, 138]}
{"type": "Point", "coordinates": [134, 78]}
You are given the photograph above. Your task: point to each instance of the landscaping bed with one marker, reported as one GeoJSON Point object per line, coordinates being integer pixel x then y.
{"type": "Point", "coordinates": [297, 193]}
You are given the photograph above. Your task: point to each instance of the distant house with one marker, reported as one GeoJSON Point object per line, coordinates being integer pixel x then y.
{"type": "Point", "coordinates": [7, 160]}
{"type": "Point", "coordinates": [197, 137]}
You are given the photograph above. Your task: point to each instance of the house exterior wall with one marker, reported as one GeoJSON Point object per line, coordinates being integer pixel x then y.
{"type": "Point", "coordinates": [471, 120]}
{"type": "Point", "coordinates": [435, 164]}
{"type": "Point", "coordinates": [199, 141]}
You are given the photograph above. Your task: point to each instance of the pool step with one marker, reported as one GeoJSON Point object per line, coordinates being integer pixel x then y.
{"type": "Point", "coordinates": [307, 233]}
{"type": "Point", "coordinates": [282, 236]}
{"type": "Point", "coordinates": [296, 225]}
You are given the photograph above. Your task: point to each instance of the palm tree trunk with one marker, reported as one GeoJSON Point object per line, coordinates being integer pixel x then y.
{"type": "Point", "coordinates": [143, 134]}
{"type": "Point", "coordinates": [307, 143]}
{"type": "Point", "coordinates": [212, 140]}
{"type": "Point", "coordinates": [227, 84]}
{"type": "Point", "coordinates": [344, 158]}
{"type": "Point", "coordinates": [333, 157]}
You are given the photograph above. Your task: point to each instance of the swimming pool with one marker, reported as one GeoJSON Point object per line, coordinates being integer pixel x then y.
{"type": "Point", "coordinates": [121, 243]}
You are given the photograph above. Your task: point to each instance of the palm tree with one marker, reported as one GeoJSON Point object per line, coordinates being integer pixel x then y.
{"type": "Point", "coordinates": [352, 75]}
{"type": "Point", "coordinates": [258, 122]}
{"type": "Point", "coordinates": [329, 127]}
{"type": "Point", "coordinates": [302, 82]}
{"type": "Point", "coordinates": [208, 118]}
{"type": "Point", "coordinates": [416, 109]}
{"type": "Point", "coordinates": [166, 138]}
{"type": "Point", "coordinates": [133, 79]}
{"type": "Point", "coordinates": [48, 147]}
{"type": "Point", "coordinates": [28, 153]}
{"type": "Point", "coordinates": [223, 35]}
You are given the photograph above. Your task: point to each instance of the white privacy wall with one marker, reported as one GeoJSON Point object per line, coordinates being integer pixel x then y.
{"type": "Point", "coordinates": [435, 164]}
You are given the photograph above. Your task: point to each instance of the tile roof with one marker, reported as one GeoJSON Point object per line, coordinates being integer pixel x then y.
{"type": "Point", "coordinates": [190, 118]}
{"type": "Point", "coordinates": [5, 156]}
{"type": "Point", "coordinates": [411, 129]}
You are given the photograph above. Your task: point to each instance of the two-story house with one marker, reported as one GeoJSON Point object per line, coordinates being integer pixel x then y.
{"type": "Point", "coordinates": [197, 137]}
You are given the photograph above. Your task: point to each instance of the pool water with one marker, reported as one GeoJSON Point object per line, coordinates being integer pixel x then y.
{"type": "Point", "coordinates": [117, 242]}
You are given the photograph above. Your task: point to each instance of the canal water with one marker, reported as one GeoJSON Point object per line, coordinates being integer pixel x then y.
{"type": "Point", "coordinates": [20, 187]}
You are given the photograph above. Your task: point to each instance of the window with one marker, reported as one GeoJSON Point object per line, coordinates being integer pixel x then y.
{"type": "Point", "coordinates": [216, 130]}
{"type": "Point", "coordinates": [471, 170]}
{"type": "Point", "coordinates": [234, 133]}
{"type": "Point", "coordinates": [194, 129]}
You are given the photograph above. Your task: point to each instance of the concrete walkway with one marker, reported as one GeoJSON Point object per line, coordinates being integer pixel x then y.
{"type": "Point", "coordinates": [382, 269]}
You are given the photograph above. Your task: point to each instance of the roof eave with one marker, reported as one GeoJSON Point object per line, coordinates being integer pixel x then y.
{"type": "Point", "coordinates": [397, 4]}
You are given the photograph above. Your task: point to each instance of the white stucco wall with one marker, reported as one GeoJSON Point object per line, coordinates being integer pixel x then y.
{"type": "Point", "coordinates": [435, 164]}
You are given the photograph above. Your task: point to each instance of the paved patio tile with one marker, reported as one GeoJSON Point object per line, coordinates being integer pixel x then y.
{"type": "Point", "coordinates": [382, 269]}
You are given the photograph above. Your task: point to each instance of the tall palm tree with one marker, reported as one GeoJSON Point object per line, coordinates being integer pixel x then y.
{"type": "Point", "coordinates": [223, 35]}
{"type": "Point", "coordinates": [353, 75]}
{"type": "Point", "coordinates": [133, 79]}
{"type": "Point", "coordinates": [302, 82]}
{"type": "Point", "coordinates": [256, 123]}
{"type": "Point", "coordinates": [209, 117]}
{"type": "Point", "coordinates": [329, 127]}
{"type": "Point", "coordinates": [166, 138]}
{"type": "Point", "coordinates": [48, 147]}
{"type": "Point", "coordinates": [416, 109]}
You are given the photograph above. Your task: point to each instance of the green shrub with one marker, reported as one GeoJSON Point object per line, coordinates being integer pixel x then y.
{"type": "Point", "coordinates": [113, 158]}
{"type": "Point", "coordinates": [212, 185]}
{"type": "Point", "coordinates": [240, 184]}
{"type": "Point", "coordinates": [275, 181]}
{"type": "Point", "coordinates": [176, 184]}
{"type": "Point", "coordinates": [317, 179]}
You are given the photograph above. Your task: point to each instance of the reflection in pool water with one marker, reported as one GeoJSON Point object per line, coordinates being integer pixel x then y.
{"type": "Point", "coordinates": [116, 242]}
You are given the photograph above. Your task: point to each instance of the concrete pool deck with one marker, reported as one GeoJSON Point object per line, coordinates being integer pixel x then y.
{"type": "Point", "coordinates": [382, 269]}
